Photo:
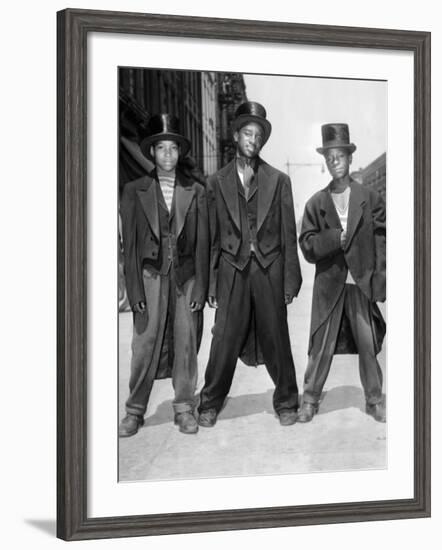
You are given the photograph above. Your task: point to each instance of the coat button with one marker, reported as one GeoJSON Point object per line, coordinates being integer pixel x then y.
{"type": "Point", "coordinates": [229, 247]}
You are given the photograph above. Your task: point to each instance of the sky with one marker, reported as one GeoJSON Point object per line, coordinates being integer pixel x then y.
{"type": "Point", "coordinates": [298, 106]}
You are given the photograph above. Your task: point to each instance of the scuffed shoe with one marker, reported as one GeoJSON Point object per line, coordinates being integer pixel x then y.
{"type": "Point", "coordinates": [377, 411]}
{"type": "Point", "coordinates": [130, 425]}
{"type": "Point", "coordinates": [307, 412]}
{"type": "Point", "coordinates": [186, 422]}
{"type": "Point", "coordinates": [207, 418]}
{"type": "Point", "coordinates": [287, 417]}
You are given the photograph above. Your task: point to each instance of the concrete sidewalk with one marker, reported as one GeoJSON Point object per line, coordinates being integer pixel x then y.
{"type": "Point", "coordinates": [247, 439]}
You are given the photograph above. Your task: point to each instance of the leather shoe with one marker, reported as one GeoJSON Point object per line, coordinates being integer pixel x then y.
{"type": "Point", "coordinates": [130, 424]}
{"type": "Point", "coordinates": [186, 422]}
{"type": "Point", "coordinates": [307, 412]}
{"type": "Point", "coordinates": [287, 417]}
{"type": "Point", "coordinates": [207, 418]}
{"type": "Point", "coordinates": [377, 411]}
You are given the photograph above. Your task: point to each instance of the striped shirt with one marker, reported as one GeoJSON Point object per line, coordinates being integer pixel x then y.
{"type": "Point", "coordinates": [167, 184]}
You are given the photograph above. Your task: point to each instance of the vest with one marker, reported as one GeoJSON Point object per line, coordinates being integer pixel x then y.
{"type": "Point", "coordinates": [167, 251]}
{"type": "Point", "coordinates": [248, 213]}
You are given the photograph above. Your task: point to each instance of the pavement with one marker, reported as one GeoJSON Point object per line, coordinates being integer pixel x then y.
{"type": "Point", "coordinates": [247, 438]}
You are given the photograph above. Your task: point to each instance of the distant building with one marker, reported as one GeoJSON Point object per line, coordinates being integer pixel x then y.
{"type": "Point", "coordinates": [205, 103]}
{"type": "Point", "coordinates": [209, 109]}
{"type": "Point", "coordinates": [374, 175]}
{"type": "Point", "coordinates": [231, 93]}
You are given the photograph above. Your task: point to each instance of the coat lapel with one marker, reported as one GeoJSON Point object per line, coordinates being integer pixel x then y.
{"type": "Point", "coordinates": [149, 202]}
{"type": "Point", "coordinates": [228, 184]}
{"type": "Point", "coordinates": [184, 194]}
{"type": "Point", "coordinates": [328, 210]}
{"type": "Point", "coordinates": [266, 182]}
{"type": "Point", "coordinates": [355, 209]}
{"type": "Point", "coordinates": [253, 188]}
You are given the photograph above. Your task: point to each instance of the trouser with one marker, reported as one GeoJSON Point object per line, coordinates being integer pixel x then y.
{"type": "Point", "coordinates": [358, 311]}
{"type": "Point", "coordinates": [239, 295]}
{"type": "Point", "coordinates": [166, 306]}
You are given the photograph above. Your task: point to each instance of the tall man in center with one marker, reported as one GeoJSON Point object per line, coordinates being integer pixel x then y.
{"type": "Point", "coordinates": [254, 268]}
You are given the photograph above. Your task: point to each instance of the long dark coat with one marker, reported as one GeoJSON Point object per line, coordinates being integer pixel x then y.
{"type": "Point", "coordinates": [142, 238]}
{"type": "Point", "coordinates": [364, 256]}
{"type": "Point", "coordinates": [144, 245]}
{"type": "Point", "coordinates": [276, 230]}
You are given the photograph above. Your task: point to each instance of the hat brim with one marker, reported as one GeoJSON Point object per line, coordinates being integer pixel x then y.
{"type": "Point", "coordinates": [242, 120]}
{"type": "Point", "coordinates": [147, 143]}
{"type": "Point", "coordinates": [350, 146]}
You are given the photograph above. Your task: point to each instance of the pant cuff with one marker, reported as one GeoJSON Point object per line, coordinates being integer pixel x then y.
{"type": "Point", "coordinates": [183, 407]}
{"type": "Point", "coordinates": [135, 412]}
{"type": "Point", "coordinates": [311, 400]}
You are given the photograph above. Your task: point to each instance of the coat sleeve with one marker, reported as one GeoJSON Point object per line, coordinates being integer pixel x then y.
{"type": "Point", "coordinates": [292, 269]}
{"type": "Point", "coordinates": [316, 243]}
{"type": "Point", "coordinates": [132, 267]}
{"type": "Point", "coordinates": [214, 236]}
{"type": "Point", "coordinates": [199, 293]}
{"type": "Point", "coordinates": [379, 228]}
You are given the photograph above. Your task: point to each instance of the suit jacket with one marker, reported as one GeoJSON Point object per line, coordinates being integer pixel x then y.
{"type": "Point", "coordinates": [364, 253]}
{"type": "Point", "coordinates": [275, 223]}
{"type": "Point", "coordinates": [144, 245]}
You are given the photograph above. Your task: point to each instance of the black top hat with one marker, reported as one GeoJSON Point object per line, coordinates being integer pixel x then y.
{"type": "Point", "coordinates": [335, 135]}
{"type": "Point", "coordinates": [252, 111]}
{"type": "Point", "coordinates": [163, 127]}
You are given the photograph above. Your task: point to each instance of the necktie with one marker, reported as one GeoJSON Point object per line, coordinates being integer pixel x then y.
{"type": "Point", "coordinates": [247, 171]}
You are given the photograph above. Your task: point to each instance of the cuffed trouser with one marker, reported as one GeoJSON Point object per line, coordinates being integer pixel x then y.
{"type": "Point", "coordinates": [239, 293]}
{"type": "Point", "coordinates": [358, 311]}
{"type": "Point", "coordinates": [166, 303]}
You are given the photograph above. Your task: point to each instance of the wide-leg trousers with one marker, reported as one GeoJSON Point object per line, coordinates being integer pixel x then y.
{"type": "Point", "coordinates": [240, 294]}
{"type": "Point", "coordinates": [357, 308]}
{"type": "Point", "coordinates": [166, 325]}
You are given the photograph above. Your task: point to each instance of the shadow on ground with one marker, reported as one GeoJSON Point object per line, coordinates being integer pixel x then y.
{"type": "Point", "coordinates": [343, 397]}
{"type": "Point", "coordinates": [48, 526]}
{"type": "Point", "coordinates": [234, 407]}
{"type": "Point", "coordinates": [339, 398]}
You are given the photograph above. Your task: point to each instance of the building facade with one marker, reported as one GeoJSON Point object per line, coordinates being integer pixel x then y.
{"type": "Point", "coordinates": [374, 175]}
{"type": "Point", "coordinates": [204, 102]}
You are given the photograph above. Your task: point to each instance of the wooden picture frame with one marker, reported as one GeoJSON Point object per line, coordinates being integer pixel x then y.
{"type": "Point", "coordinates": [74, 26]}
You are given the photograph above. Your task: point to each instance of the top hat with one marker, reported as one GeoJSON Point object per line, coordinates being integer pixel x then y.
{"type": "Point", "coordinates": [164, 127]}
{"type": "Point", "coordinates": [252, 111]}
{"type": "Point", "coordinates": [335, 135]}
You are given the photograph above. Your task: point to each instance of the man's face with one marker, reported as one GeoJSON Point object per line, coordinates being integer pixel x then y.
{"type": "Point", "coordinates": [338, 161]}
{"type": "Point", "coordinates": [249, 140]}
{"type": "Point", "coordinates": [166, 154]}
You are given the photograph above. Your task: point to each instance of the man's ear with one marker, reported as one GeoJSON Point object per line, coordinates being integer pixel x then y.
{"type": "Point", "coordinates": [152, 151]}
{"type": "Point", "coordinates": [350, 158]}
{"type": "Point", "coordinates": [235, 136]}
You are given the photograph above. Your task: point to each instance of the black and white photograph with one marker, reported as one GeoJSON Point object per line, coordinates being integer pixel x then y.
{"type": "Point", "coordinates": [221, 254]}
{"type": "Point", "coordinates": [252, 324]}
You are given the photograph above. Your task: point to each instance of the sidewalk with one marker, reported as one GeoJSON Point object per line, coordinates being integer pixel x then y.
{"type": "Point", "coordinates": [247, 439]}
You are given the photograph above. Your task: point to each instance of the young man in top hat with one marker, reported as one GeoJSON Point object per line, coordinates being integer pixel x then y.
{"type": "Point", "coordinates": [166, 253]}
{"type": "Point", "coordinates": [254, 267]}
{"type": "Point", "coordinates": [343, 233]}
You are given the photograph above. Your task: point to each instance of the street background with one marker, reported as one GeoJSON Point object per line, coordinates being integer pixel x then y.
{"type": "Point", "coordinates": [248, 439]}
